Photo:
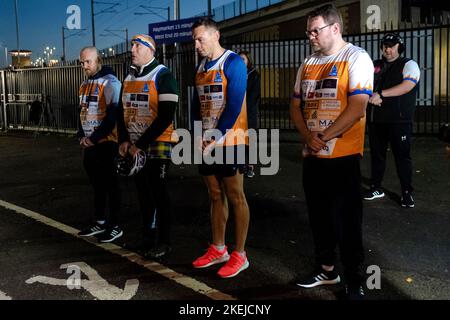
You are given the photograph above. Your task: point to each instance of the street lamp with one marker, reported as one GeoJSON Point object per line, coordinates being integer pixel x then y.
{"type": "Point", "coordinates": [17, 31]}
{"type": "Point", "coordinates": [48, 53]}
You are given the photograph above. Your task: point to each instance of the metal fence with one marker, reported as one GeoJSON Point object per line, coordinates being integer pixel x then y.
{"type": "Point", "coordinates": [44, 99]}
{"type": "Point", "coordinates": [238, 8]}
{"type": "Point", "coordinates": [276, 60]}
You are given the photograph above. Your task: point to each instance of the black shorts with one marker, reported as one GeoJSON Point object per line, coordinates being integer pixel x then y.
{"type": "Point", "coordinates": [221, 170]}
{"type": "Point", "coordinates": [225, 169]}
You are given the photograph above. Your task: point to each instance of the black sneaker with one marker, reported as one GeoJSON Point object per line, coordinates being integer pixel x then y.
{"type": "Point", "coordinates": [354, 293]}
{"type": "Point", "coordinates": [92, 231]}
{"type": "Point", "coordinates": [110, 235]}
{"type": "Point", "coordinates": [407, 200]}
{"type": "Point", "coordinates": [319, 278]}
{"type": "Point", "coordinates": [374, 193]}
{"type": "Point", "coordinates": [139, 246]}
{"type": "Point", "coordinates": [157, 252]}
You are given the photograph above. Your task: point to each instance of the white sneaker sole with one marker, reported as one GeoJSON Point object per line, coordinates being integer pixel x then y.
{"type": "Point", "coordinates": [320, 283]}
{"type": "Point", "coordinates": [222, 259]}
{"type": "Point", "coordinates": [91, 234]}
{"type": "Point", "coordinates": [244, 266]}
{"type": "Point", "coordinates": [407, 206]}
{"type": "Point", "coordinates": [378, 196]}
{"type": "Point", "coordinates": [112, 239]}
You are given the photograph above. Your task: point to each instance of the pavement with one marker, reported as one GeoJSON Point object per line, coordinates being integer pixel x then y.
{"type": "Point", "coordinates": [45, 198]}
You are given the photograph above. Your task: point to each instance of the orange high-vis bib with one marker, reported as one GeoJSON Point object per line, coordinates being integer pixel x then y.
{"type": "Point", "coordinates": [324, 84]}
{"type": "Point", "coordinates": [212, 91]}
{"type": "Point", "coordinates": [140, 105]}
{"type": "Point", "coordinates": [93, 107]}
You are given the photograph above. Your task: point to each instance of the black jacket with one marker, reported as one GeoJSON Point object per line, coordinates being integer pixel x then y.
{"type": "Point", "coordinates": [253, 97]}
{"type": "Point", "coordinates": [398, 109]}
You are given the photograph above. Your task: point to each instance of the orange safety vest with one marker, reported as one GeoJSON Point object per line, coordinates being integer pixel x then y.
{"type": "Point", "coordinates": [140, 105]}
{"type": "Point", "coordinates": [93, 107]}
{"type": "Point", "coordinates": [212, 91]}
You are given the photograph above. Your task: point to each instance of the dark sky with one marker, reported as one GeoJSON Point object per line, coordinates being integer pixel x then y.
{"type": "Point", "coordinates": [41, 21]}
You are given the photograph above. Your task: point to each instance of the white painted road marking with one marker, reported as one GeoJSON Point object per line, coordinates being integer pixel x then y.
{"type": "Point", "coordinates": [4, 296]}
{"type": "Point", "coordinates": [158, 268]}
{"type": "Point", "coordinates": [95, 285]}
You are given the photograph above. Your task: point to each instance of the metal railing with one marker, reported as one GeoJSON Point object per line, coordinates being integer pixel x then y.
{"type": "Point", "coordinates": [55, 88]}
{"type": "Point", "coordinates": [238, 8]}
{"type": "Point", "coordinates": [276, 60]}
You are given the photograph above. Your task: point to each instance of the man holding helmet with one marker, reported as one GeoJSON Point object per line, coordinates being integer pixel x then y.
{"type": "Point", "coordinates": [149, 101]}
{"type": "Point", "coordinates": [390, 116]}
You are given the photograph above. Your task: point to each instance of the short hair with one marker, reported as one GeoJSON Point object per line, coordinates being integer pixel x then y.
{"type": "Point", "coordinates": [205, 22]}
{"type": "Point", "coordinates": [249, 58]}
{"type": "Point", "coordinates": [92, 48]}
{"type": "Point", "coordinates": [329, 13]}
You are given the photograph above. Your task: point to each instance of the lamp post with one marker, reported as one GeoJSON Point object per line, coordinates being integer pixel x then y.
{"type": "Point", "coordinates": [17, 33]}
{"type": "Point", "coordinates": [93, 22]}
{"type": "Point", "coordinates": [6, 54]}
{"type": "Point", "coordinates": [63, 57]}
{"type": "Point", "coordinates": [112, 33]}
{"type": "Point", "coordinates": [64, 37]}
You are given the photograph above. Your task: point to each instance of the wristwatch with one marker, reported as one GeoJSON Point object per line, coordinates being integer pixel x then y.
{"type": "Point", "coordinates": [379, 93]}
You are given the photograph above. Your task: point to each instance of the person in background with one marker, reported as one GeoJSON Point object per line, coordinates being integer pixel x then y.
{"type": "Point", "coordinates": [253, 100]}
{"type": "Point", "coordinates": [390, 117]}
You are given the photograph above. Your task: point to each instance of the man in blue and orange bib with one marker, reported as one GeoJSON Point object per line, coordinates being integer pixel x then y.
{"type": "Point", "coordinates": [99, 98]}
{"type": "Point", "coordinates": [219, 105]}
{"type": "Point", "coordinates": [328, 108]}
{"type": "Point", "coordinates": [149, 100]}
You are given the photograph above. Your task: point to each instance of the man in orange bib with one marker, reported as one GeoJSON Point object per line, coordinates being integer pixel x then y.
{"type": "Point", "coordinates": [220, 104]}
{"type": "Point", "coordinates": [150, 100]}
{"type": "Point", "coordinates": [328, 108]}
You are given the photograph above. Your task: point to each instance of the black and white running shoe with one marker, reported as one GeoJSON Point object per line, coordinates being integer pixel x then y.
{"type": "Point", "coordinates": [374, 193]}
{"type": "Point", "coordinates": [110, 235]}
{"type": "Point", "coordinates": [318, 278]}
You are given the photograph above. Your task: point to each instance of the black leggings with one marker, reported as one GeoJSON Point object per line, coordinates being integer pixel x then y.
{"type": "Point", "coordinates": [154, 200]}
{"type": "Point", "coordinates": [99, 164]}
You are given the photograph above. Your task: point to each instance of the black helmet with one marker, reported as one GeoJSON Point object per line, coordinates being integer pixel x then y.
{"type": "Point", "coordinates": [129, 166]}
{"type": "Point", "coordinates": [393, 39]}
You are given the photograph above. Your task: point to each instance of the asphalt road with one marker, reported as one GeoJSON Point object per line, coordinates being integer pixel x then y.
{"type": "Point", "coordinates": [45, 198]}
